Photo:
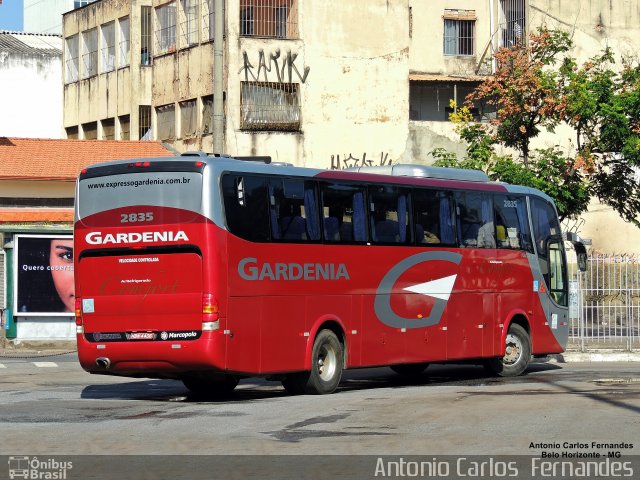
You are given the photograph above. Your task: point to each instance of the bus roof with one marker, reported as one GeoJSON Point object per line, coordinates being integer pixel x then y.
{"type": "Point", "coordinates": [406, 174]}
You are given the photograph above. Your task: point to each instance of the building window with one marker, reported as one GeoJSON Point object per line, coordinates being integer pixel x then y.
{"type": "Point", "coordinates": [166, 121]}
{"type": "Point", "coordinates": [72, 132]}
{"type": "Point", "coordinates": [125, 127]}
{"type": "Point", "coordinates": [145, 35]}
{"type": "Point", "coordinates": [512, 22]}
{"type": "Point", "coordinates": [166, 29]}
{"type": "Point", "coordinates": [431, 101]}
{"type": "Point", "coordinates": [108, 47]}
{"type": "Point", "coordinates": [90, 53]}
{"type": "Point", "coordinates": [207, 114]}
{"type": "Point", "coordinates": [124, 42]}
{"type": "Point", "coordinates": [270, 106]}
{"type": "Point", "coordinates": [268, 18]}
{"type": "Point", "coordinates": [90, 130]}
{"type": "Point", "coordinates": [188, 119]}
{"type": "Point", "coordinates": [209, 19]}
{"type": "Point", "coordinates": [189, 27]}
{"type": "Point", "coordinates": [81, 3]}
{"type": "Point", "coordinates": [144, 122]}
{"type": "Point", "coordinates": [108, 129]}
{"type": "Point", "coordinates": [71, 59]}
{"type": "Point", "coordinates": [459, 32]}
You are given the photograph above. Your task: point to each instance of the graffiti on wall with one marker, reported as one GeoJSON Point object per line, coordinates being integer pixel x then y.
{"type": "Point", "coordinates": [275, 68]}
{"type": "Point", "coordinates": [348, 162]}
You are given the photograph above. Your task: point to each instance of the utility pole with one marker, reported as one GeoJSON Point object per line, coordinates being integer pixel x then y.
{"type": "Point", "coordinates": [217, 122]}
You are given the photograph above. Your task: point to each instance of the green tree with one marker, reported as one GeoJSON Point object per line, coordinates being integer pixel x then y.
{"type": "Point", "coordinates": [538, 86]}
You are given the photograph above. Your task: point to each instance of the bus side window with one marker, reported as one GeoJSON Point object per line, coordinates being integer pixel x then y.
{"type": "Point", "coordinates": [512, 227]}
{"type": "Point", "coordinates": [475, 220]}
{"type": "Point", "coordinates": [293, 210]}
{"type": "Point", "coordinates": [246, 206]}
{"type": "Point", "coordinates": [389, 216]}
{"type": "Point", "coordinates": [344, 216]}
{"type": "Point", "coordinates": [433, 217]}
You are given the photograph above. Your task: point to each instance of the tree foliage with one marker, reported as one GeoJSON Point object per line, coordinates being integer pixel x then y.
{"type": "Point", "coordinates": [539, 86]}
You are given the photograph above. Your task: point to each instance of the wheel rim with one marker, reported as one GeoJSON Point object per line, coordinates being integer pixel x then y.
{"type": "Point", "coordinates": [327, 362]}
{"type": "Point", "coordinates": [513, 352]}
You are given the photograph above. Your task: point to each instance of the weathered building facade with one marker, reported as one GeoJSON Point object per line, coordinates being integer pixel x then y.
{"type": "Point", "coordinates": [325, 84]}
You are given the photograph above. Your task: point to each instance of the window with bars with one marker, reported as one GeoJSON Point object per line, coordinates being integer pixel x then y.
{"type": "Point", "coordinates": [71, 59]}
{"type": "Point", "coordinates": [166, 122]}
{"type": "Point", "coordinates": [108, 129]}
{"type": "Point", "coordinates": [125, 127]}
{"type": "Point", "coordinates": [208, 19]}
{"type": "Point", "coordinates": [269, 18]}
{"type": "Point", "coordinates": [90, 53]}
{"type": "Point", "coordinates": [459, 37]}
{"type": "Point", "coordinates": [270, 106]}
{"type": "Point", "coordinates": [72, 132]}
{"type": "Point", "coordinates": [124, 42]}
{"type": "Point", "coordinates": [207, 114]}
{"type": "Point", "coordinates": [144, 122]}
{"type": "Point", "coordinates": [188, 119]}
{"type": "Point", "coordinates": [512, 22]}
{"type": "Point", "coordinates": [145, 35]}
{"type": "Point", "coordinates": [108, 51]}
{"type": "Point", "coordinates": [90, 130]}
{"type": "Point", "coordinates": [189, 26]}
{"type": "Point", "coordinates": [166, 29]}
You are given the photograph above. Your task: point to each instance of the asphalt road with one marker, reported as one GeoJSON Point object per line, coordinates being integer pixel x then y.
{"type": "Point", "coordinates": [49, 405]}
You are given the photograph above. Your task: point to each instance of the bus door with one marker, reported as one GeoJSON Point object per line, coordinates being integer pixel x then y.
{"type": "Point", "coordinates": [479, 270]}
{"type": "Point", "coordinates": [552, 288]}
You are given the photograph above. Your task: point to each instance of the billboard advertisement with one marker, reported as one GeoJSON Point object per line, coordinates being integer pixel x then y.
{"type": "Point", "coordinates": [43, 266]}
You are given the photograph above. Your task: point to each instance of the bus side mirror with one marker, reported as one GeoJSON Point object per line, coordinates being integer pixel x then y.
{"type": "Point", "coordinates": [579, 246]}
{"type": "Point", "coordinates": [582, 261]}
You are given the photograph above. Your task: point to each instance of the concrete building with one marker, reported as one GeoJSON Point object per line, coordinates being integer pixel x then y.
{"type": "Point", "coordinates": [323, 84]}
{"type": "Point", "coordinates": [37, 187]}
{"type": "Point", "coordinates": [30, 76]}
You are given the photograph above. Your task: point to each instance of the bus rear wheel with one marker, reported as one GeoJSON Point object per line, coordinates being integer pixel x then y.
{"type": "Point", "coordinates": [211, 386]}
{"type": "Point", "coordinates": [327, 360]}
{"type": "Point", "coordinates": [517, 354]}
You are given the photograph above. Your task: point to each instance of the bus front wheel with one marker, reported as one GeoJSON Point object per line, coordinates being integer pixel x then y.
{"type": "Point", "coordinates": [517, 354]}
{"type": "Point", "coordinates": [327, 360]}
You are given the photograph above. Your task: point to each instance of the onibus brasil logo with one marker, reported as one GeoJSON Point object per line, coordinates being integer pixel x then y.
{"type": "Point", "coordinates": [38, 469]}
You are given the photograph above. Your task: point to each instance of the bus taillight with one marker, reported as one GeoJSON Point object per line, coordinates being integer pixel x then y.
{"type": "Point", "coordinates": [78, 315]}
{"type": "Point", "coordinates": [209, 312]}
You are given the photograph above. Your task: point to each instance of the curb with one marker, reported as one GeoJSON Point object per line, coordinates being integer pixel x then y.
{"type": "Point", "coordinates": [595, 356]}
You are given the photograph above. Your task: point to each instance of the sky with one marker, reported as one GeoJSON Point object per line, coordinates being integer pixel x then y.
{"type": "Point", "coordinates": [11, 15]}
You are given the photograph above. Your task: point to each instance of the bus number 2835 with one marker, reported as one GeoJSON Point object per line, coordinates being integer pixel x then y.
{"type": "Point", "coordinates": [136, 217]}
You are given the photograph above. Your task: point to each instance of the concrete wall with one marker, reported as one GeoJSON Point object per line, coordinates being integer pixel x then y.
{"type": "Point", "coordinates": [31, 93]}
{"type": "Point", "coordinates": [352, 76]}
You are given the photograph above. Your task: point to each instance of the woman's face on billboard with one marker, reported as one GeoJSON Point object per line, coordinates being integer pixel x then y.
{"type": "Point", "coordinates": [61, 264]}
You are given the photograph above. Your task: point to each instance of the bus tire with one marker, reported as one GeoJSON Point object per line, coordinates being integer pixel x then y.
{"type": "Point", "coordinates": [327, 360]}
{"type": "Point", "coordinates": [517, 354]}
{"type": "Point", "coordinates": [410, 369]}
{"type": "Point", "coordinates": [210, 386]}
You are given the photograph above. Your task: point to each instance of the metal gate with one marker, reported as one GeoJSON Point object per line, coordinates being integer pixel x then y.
{"type": "Point", "coordinates": [605, 303]}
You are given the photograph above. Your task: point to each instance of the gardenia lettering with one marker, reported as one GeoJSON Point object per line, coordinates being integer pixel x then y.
{"type": "Point", "coordinates": [250, 269]}
{"type": "Point", "coordinates": [96, 238]}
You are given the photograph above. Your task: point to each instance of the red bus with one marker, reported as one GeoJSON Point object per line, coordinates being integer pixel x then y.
{"type": "Point", "coordinates": [209, 269]}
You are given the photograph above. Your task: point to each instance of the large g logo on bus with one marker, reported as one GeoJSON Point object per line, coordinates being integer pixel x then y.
{"type": "Point", "coordinates": [382, 302]}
